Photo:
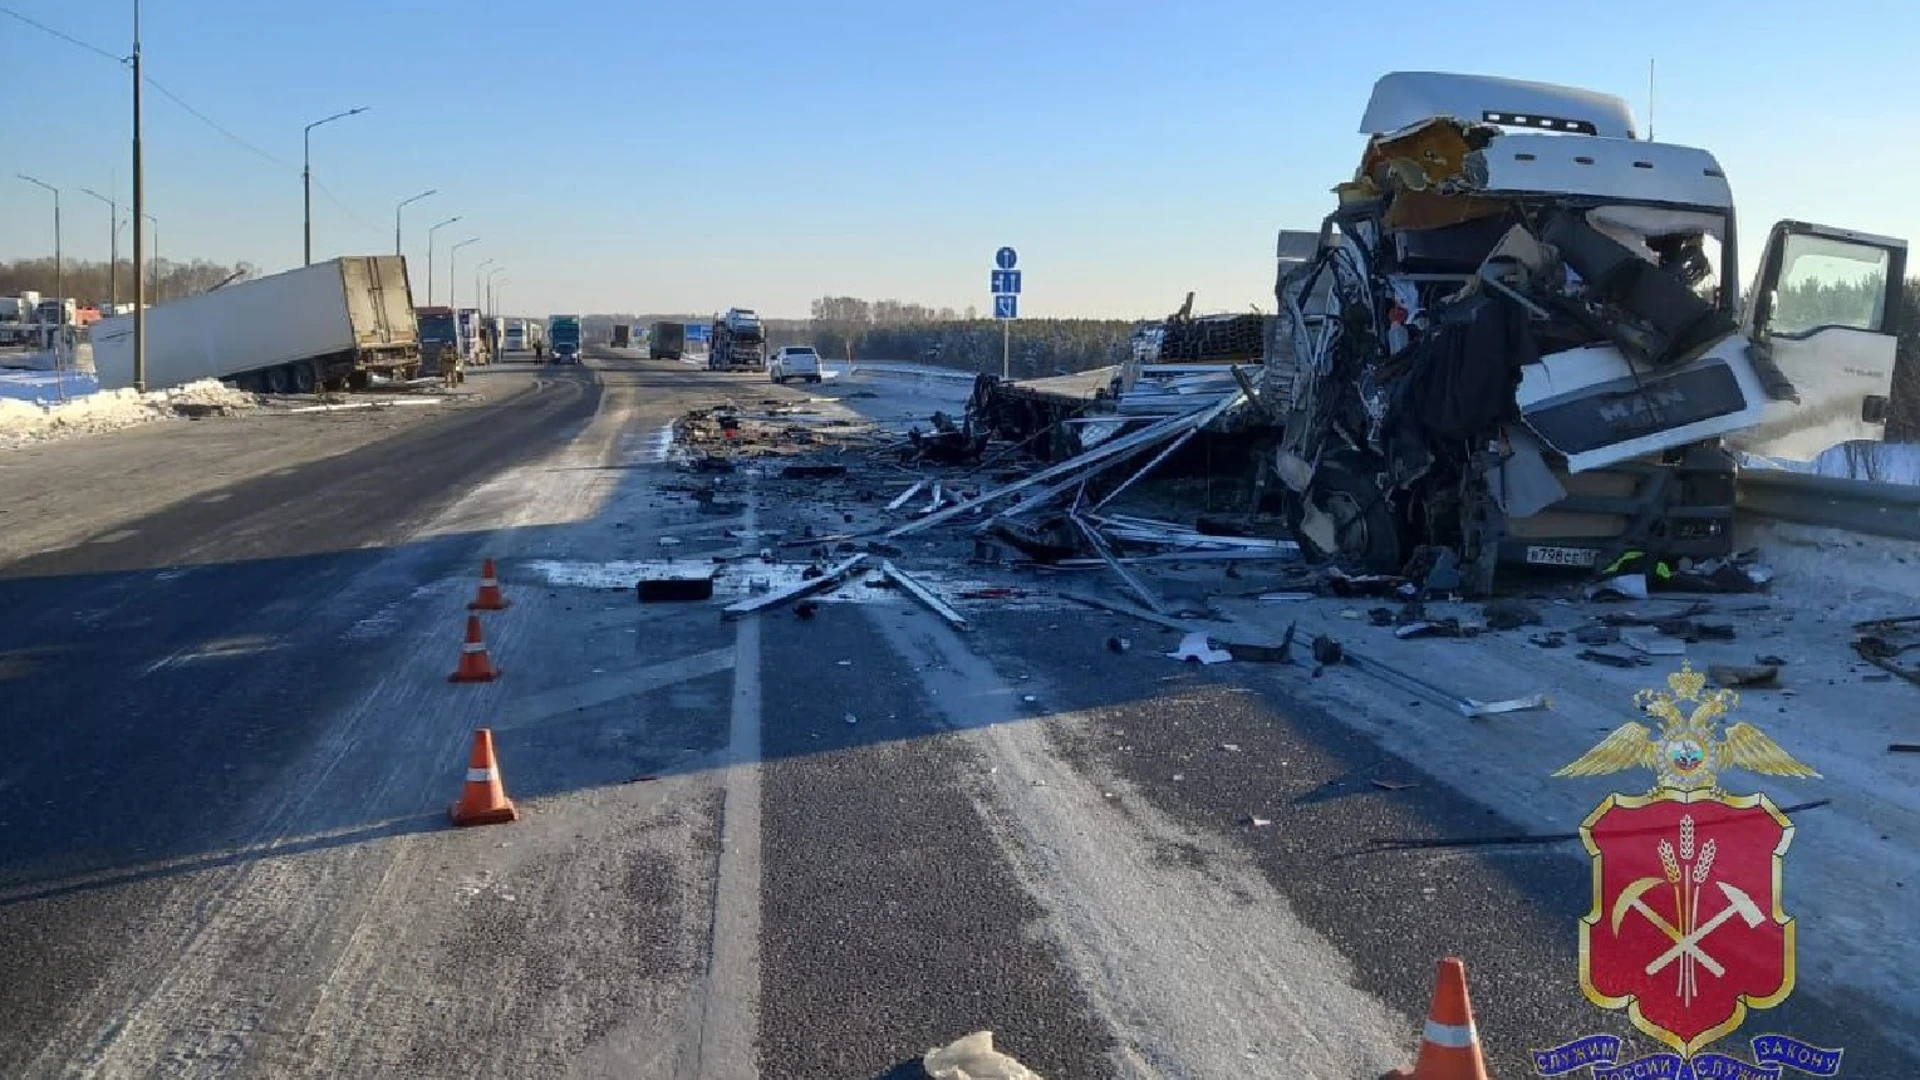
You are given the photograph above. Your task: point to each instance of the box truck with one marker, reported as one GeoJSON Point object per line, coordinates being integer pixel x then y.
{"type": "Point", "coordinates": [667, 340]}
{"type": "Point", "coordinates": [329, 325]}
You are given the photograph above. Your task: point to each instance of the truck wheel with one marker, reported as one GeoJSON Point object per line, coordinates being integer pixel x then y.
{"type": "Point", "coordinates": [304, 378]}
{"type": "Point", "coordinates": [359, 380]}
{"type": "Point", "coordinates": [1349, 520]}
{"type": "Point", "coordinates": [278, 381]}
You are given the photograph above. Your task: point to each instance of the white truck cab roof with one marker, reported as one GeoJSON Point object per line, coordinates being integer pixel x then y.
{"type": "Point", "coordinates": [1404, 98]}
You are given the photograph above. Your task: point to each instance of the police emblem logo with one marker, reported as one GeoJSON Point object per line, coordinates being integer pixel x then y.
{"type": "Point", "coordinates": [1688, 930]}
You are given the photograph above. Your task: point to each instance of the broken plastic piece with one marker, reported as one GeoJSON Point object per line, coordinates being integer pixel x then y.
{"type": "Point", "coordinates": [1195, 646]}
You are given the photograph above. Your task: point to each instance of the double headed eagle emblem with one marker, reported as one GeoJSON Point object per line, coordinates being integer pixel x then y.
{"type": "Point", "coordinates": [1686, 756]}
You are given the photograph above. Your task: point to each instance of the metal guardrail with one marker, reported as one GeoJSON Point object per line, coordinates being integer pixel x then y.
{"type": "Point", "coordinates": [1861, 506]}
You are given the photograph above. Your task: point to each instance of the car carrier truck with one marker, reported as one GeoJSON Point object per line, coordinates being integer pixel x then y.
{"type": "Point", "coordinates": [739, 342]}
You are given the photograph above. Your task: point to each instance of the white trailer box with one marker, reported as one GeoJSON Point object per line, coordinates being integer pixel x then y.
{"type": "Point", "coordinates": [331, 323]}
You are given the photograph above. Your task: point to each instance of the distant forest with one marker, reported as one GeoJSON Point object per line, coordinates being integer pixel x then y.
{"type": "Point", "coordinates": [91, 283]}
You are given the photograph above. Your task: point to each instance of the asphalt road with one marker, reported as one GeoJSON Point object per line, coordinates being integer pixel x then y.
{"type": "Point", "coordinates": [778, 846]}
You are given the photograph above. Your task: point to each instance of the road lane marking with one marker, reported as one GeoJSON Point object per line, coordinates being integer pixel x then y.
{"type": "Point", "coordinates": [567, 700]}
{"type": "Point", "coordinates": [730, 1014]}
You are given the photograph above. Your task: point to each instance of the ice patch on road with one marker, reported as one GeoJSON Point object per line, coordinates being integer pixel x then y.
{"type": "Point", "coordinates": [23, 422]}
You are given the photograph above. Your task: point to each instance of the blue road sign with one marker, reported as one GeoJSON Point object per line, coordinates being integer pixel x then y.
{"type": "Point", "coordinates": [697, 331]}
{"type": "Point", "coordinates": [1005, 282]}
{"type": "Point", "coordinates": [1005, 258]}
{"type": "Point", "coordinates": [1006, 307]}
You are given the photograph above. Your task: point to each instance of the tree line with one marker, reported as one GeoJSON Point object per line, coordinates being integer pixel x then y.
{"type": "Point", "coordinates": [852, 328]}
{"type": "Point", "coordinates": [92, 283]}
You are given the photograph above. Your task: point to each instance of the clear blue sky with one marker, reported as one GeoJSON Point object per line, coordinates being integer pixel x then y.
{"type": "Point", "coordinates": [620, 156]}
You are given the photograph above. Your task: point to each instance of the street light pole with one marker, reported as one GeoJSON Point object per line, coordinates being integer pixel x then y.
{"type": "Point", "coordinates": [492, 312]}
{"type": "Point", "coordinates": [453, 261]}
{"type": "Point", "coordinates": [477, 279]}
{"type": "Point", "coordinates": [306, 171]}
{"type": "Point", "coordinates": [113, 247]}
{"type": "Point", "coordinates": [140, 211]}
{"type": "Point", "coordinates": [396, 219]}
{"type": "Point", "coordinates": [59, 263]}
{"type": "Point", "coordinates": [430, 233]}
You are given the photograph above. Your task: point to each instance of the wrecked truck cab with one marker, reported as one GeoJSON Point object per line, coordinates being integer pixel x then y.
{"type": "Point", "coordinates": [1520, 338]}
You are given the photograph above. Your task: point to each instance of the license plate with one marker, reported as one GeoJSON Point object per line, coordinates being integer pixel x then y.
{"type": "Point", "coordinates": [1561, 556]}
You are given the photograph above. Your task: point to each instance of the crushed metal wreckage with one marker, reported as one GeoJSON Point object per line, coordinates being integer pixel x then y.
{"type": "Point", "coordinates": [1528, 347]}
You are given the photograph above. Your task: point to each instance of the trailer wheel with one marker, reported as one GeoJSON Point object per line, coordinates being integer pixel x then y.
{"type": "Point", "coordinates": [304, 378]}
{"type": "Point", "coordinates": [278, 381]}
{"type": "Point", "coordinates": [1346, 502]}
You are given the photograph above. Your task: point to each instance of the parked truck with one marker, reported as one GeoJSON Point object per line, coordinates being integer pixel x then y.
{"type": "Point", "coordinates": [331, 324]}
{"type": "Point", "coordinates": [563, 331]}
{"type": "Point", "coordinates": [667, 340]}
{"type": "Point", "coordinates": [439, 331]}
{"type": "Point", "coordinates": [622, 335]}
{"type": "Point", "coordinates": [739, 342]}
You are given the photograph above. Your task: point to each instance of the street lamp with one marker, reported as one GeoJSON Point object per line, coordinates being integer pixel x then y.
{"type": "Point", "coordinates": [491, 310]}
{"type": "Point", "coordinates": [59, 264]}
{"type": "Point", "coordinates": [477, 278]}
{"type": "Point", "coordinates": [453, 260]}
{"type": "Point", "coordinates": [430, 233]}
{"type": "Point", "coordinates": [499, 290]}
{"type": "Point", "coordinates": [306, 170]}
{"type": "Point", "coordinates": [113, 247]}
{"type": "Point", "coordinates": [396, 219]}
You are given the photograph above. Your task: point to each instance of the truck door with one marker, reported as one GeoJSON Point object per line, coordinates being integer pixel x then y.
{"type": "Point", "coordinates": [1825, 311]}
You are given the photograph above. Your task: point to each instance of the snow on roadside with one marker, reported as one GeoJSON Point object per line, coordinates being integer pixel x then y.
{"type": "Point", "coordinates": [1886, 463]}
{"type": "Point", "coordinates": [25, 422]}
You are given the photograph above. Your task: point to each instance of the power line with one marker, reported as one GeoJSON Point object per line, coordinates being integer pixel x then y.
{"type": "Point", "coordinates": [69, 39]}
{"type": "Point", "coordinates": [191, 111]}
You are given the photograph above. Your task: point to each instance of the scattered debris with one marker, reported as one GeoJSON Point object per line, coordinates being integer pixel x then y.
{"type": "Point", "coordinates": [1643, 642]}
{"type": "Point", "coordinates": [675, 588]}
{"type": "Point", "coordinates": [1552, 639]}
{"type": "Point", "coordinates": [807, 586]}
{"type": "Point", "coordinates": [1118, 644]}
{"type": "Point", "coordinates": [1394, 785]}
{"type": "Point", "coordinates": [1510, 614]}
{"type": "Point", "coordinates": [1465, 706]}
{"type": "Point", "coordinates": [1743, 677]}
{"type": "Point", "coordinates": [1623, 587]}
{"type": "Point", "coordinates": [1903, 748]}
{"type": "Point", "coordinates": [906, 496]}
{"type": "Point", "coordinates": [1596, 634]}
{"type": "Point", "coordinates": [1196, 646]}
{"type": "Point", "coordinates": [805, 609]}
{"type": "Point", "coordinates": [925, 595]}
{"type": "Point", "coordinates": [812, 472]}
{"type": "Point", "coordinates": [1883, 643]}
{"type": "Point", "coordinates": [1614, 658]}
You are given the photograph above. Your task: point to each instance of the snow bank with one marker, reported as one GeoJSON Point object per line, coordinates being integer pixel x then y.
{"type": "Point", "coordinates": [1886, 463]}
{"type": "Point", "coordinates": [23, 422]}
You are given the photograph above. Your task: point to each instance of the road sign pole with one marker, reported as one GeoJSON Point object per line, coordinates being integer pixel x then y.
{"type": "Point", "coordinates": [1006, 339]}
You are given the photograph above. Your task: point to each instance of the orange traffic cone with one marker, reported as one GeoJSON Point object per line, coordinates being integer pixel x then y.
{"type": "Point", "coordinates": [489, 598]}
{"type": "Point", "coordinates": [475, 664]}
{"type": "Point", "coordinates": [484, 799]}
{"type": "Point", "coordinates": [1450, 1048]}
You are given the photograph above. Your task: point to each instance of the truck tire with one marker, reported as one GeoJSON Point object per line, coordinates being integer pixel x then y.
{"type": "Point", "coordinates": [305, 379]}
{"type": "Point", "coordinates": [1366, 533]}
{"type": "Point", "coordinates": [278, 380]}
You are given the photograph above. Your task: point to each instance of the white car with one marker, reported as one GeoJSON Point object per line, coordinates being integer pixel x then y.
{"type": "Point", "coordinates": [794, 362]}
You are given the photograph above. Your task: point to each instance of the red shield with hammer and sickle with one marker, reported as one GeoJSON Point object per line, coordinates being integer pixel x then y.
{"type": "Point", "coordinates": [1687, 930]}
